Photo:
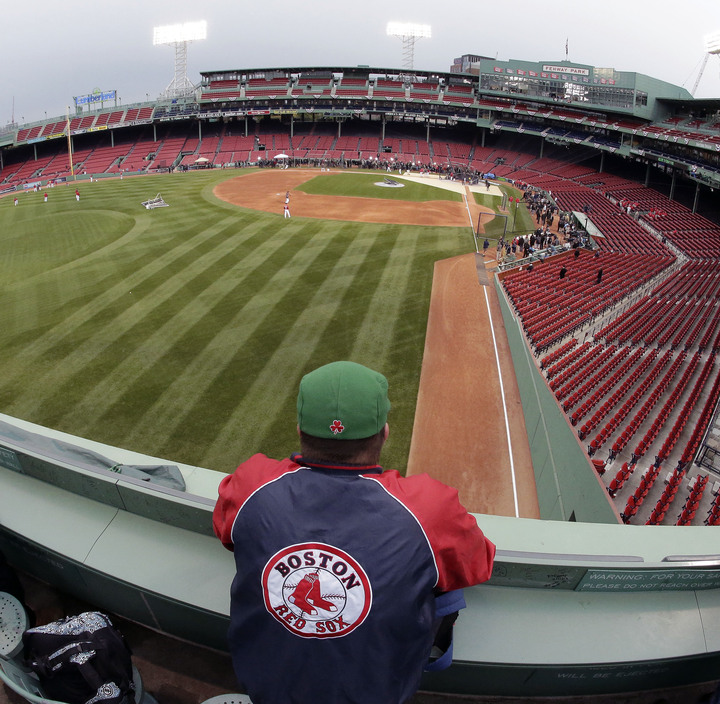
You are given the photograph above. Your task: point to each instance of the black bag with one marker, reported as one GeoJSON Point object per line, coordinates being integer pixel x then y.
{"type": "Point", "coordinates": [81, 659]}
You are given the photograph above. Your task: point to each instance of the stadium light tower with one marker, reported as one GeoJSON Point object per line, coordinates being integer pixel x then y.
{"type": "Point", "coordinates": [179, 35]}
{"type": "Point", "coordinates": [712, 47]}
{"type": "Point", "coordinates": [409, 33]}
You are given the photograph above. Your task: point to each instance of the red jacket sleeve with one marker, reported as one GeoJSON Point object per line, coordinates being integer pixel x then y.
{"type": "Point", "coordinates": [463, 554]}
{"type": "Point", "coordinates": [236, 488]}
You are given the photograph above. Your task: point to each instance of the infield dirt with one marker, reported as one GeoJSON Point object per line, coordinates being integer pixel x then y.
{"type": "Point", "coordinates": [265, 190]}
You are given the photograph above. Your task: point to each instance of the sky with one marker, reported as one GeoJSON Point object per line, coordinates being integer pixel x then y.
{"type": "Point", "coordinates": [52, 51]}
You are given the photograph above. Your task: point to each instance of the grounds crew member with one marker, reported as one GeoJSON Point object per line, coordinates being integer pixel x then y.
{"type": "Point", "coordinates": [338, 562]}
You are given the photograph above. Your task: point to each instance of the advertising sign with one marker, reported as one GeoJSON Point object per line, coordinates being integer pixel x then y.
{"type": "Point", "coordinates": [97, 96]}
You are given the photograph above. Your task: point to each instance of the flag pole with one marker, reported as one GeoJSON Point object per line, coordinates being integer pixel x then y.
{"type": "Point", "coordinates": [70, 159]}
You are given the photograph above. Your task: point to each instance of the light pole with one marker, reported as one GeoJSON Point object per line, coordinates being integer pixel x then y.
{"type": "Point", "coordinates": [409, 34]}
{"type": "Point", "coordinates": [712, 47]}
{"type": "Point", "coordinates": [178, 35]}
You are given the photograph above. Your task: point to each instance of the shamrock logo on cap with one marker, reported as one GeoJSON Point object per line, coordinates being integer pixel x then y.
{"type": "Point", "coordinates": [337, 427]}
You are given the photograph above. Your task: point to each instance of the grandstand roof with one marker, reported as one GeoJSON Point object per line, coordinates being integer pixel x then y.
{"type": "Point", "coordinates": [693, 105]}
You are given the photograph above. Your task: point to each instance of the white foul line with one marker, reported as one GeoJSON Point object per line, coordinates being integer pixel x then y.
{"type": "Point", "coordinates": [467, 207]}
{"type": "Point", "coordinates": [502, 394]}
{"type": "Point", "coordinates": [499, 371]}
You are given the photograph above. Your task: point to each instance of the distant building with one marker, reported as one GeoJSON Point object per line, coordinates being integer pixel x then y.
{"type": "Point", "coordinates": [464, 63]}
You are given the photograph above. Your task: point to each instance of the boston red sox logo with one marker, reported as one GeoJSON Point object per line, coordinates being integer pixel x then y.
{"type": "Point", "coordinates": [316, 590]}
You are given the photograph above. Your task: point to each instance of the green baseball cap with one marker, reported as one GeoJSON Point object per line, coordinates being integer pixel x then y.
{"type": "Point", "coordinates": [343, 401]}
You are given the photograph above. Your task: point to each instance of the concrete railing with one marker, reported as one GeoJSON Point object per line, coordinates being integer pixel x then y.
{"type": "Point", "coordinates": [571, 607]}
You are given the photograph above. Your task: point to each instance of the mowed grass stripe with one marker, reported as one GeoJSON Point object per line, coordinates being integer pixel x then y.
{"type": "Point", "coordinates": [25, 302]}
{"type": "Point", "coordinates": [95, 348]}
{"type": "Point", "coordinates": [68, 348]}
{"type": "Point", "coordinates": [373, 339]}
{"type": "Point", "coordinates": [197, 350]}
{"type": "Point", "coordinates": [352, 305]}
{"type": "Point", "coordinates": [54, 238]}
{"type": "Point", "coordinates": [369, 298]}
{"type": "Point", "coordinates": [406, 339]}
{"type": "Point", "coordinates": [267, 322]}
{"type": "Point", "coordinates": [52, 345]}
{"type": "Point", "coordinates": [183, 302]}
{"type": "Point", "coordinates": [287, 361]}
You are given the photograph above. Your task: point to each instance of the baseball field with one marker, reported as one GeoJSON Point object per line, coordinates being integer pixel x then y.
{"type": "Point", "coordinates": [182, 332]}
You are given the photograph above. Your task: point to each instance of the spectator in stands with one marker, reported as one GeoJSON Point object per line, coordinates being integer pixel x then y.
{"type": "Point", "coordinates": [339, 562]}
{"type": "Point", "coordinates": [599, 276]}
{"type": "Point", "coordinates": [563, 271]}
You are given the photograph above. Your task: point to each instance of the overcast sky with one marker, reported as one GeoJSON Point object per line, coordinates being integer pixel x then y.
{"type": "Point", "coordinates": [53, 51]}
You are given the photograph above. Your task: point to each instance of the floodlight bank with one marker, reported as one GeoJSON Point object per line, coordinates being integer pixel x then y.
{"type": "Point", "coordinates": [712, 43]}
{"type": "Point", "coordinates": [173, 33]}
{"type": "Point", "coordinates": [407, 29]}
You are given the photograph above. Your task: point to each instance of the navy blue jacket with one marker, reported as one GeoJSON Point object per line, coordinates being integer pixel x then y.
{"type": "Point", "coordinates": [337, 567]}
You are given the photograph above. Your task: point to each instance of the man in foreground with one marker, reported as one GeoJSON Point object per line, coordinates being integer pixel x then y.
{"type": "Point", "coordinates": [338, 562]}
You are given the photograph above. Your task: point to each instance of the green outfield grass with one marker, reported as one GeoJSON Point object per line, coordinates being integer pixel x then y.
{"type": "Point", "coordinates": [518, 221]}
{"type": "Point", "coordinates": [182, 332]}
{"type": "Point", "coordinates": [364, 185]}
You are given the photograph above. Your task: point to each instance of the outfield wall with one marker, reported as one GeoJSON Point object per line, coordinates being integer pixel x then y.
{"type": "Point", "coordinates": [613, 608]}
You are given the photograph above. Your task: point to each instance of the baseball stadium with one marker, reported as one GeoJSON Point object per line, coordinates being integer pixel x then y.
{"type": "Point", "coordinates": [528, 251]}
